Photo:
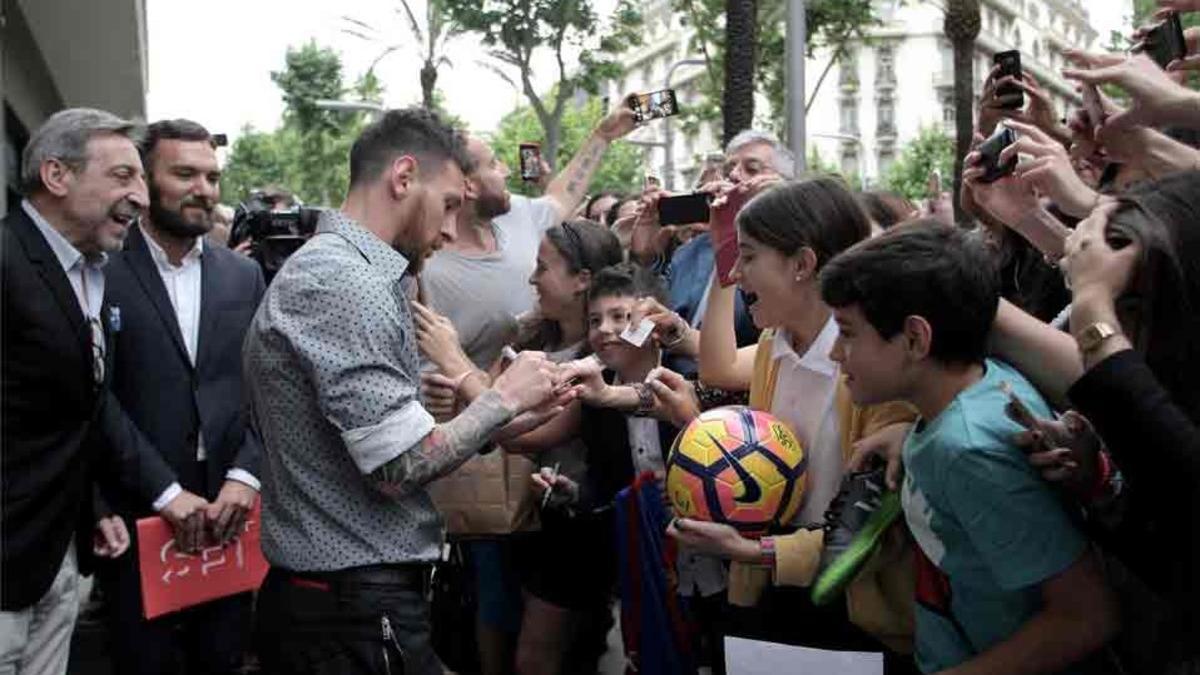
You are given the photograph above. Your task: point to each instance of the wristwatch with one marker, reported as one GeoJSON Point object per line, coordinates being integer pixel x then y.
{"type": "Point", "coordinates": [1094, 335]}
{"type": "Point", "coordinates": [645, 399]}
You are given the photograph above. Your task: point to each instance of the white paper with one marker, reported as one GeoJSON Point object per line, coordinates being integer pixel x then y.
{"type": "Point", "coordinates": [637, 336]}
{"type": "Point", "coordinates": [752, 657]}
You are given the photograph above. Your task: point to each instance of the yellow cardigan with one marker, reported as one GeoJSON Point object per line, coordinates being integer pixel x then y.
{"type": "Point", "coordinates": [880, 599]}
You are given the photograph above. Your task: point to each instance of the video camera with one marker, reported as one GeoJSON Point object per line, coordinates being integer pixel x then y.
{"type": "Point", "coordinates": [273, 235]}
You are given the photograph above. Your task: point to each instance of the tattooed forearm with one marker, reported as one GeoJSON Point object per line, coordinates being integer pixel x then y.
{"type": "Point", "coordinates": [578, 174]}
{"type": "Point", "coordinates": [446, 448]}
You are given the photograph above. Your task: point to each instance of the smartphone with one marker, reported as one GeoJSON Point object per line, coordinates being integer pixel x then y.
{"type": "Point", "coordinates": [990, 151]}
{"type": "Point", "coordinates": [1019, 413]}
{"type": "Point", "coordinates": [724, 237]}
{"type": "Point", "coordinates": [1164, 43]}
{"type": "Point", "coordinates": [684, 209]}
{"type": "Point", "coordinates": [653, 105]}
{"type": "Point", "coordinates": [1092, 105]}
{"type": "Point", "coordinates": [1009, 95]}
{"type": "Point", "coordinates": [531, 161]}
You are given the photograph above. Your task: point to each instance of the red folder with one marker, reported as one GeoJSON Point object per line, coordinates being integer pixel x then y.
{"type": "Point", "coordinates": [173, 580]}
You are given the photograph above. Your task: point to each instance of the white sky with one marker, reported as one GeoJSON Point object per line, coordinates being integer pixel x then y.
{"type": "Point", "coordinates": [213, 64]}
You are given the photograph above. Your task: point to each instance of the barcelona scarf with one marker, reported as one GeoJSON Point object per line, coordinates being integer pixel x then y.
{"type": "Point", "coordinates": [654, 625]}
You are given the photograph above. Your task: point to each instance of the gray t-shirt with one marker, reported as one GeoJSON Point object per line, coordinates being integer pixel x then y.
{"type": "Point", "coordinates": [483, 294]}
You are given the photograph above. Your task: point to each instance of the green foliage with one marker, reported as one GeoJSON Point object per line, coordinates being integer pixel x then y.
{"type": "Point", "coordinates": [514, 30]}
{"type": "Point", "coordinates": [432, 37]}
{"type": "Point", "coordinates": [256, 160]}
{"type": "Point", "coordinates": [620, 170]}
{"type": "Point", "coordinates": [831, 23]}
{"type": "Point", "coordinates": [309, 153]}
{"type": "Point", "coordinates": [909, 174]}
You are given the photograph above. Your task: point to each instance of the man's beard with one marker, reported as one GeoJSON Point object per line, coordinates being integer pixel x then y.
{"type": "Point", "coordinates": [414, 256]}
{"type": "Point", "coordinates": [489, 206]}
{"type": "Point", "coordinates": [173, 221]}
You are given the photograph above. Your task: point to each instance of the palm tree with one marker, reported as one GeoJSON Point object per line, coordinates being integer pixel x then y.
{"type": "Point", "coordinates": [432, 37]}
{"type": "Point", "coordinates": [741, 27]}
{"type": "Point", "coordinates": [962, 27]}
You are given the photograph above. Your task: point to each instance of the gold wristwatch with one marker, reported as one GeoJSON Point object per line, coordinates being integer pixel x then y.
{"type": "Point", "coordinates": [1094, 335]}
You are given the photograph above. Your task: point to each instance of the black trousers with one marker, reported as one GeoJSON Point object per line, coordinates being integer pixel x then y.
{"type": "Point", "coordinates": [208, 639]}
{"type": "Point", "coordinates": [365, 620]}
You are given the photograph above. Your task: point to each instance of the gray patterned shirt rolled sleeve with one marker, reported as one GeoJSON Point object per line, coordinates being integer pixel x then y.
{"type": "Point", "coordinates": [332, 369]}
{"type": "Point", "coordinates": [376, 445]}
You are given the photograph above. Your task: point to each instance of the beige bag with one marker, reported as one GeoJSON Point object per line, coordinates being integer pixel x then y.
{"type": "Point", "coordinates": [489, 495]}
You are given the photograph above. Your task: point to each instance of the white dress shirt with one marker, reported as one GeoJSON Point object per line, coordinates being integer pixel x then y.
{"type": "Point", "coordinates": [84, 273]}
{"type": "Point", "coordinates": [804, 396]}
{"type": "Point", "coordinates": [183, 285]}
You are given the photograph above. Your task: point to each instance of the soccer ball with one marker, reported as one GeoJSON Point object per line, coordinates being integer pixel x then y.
{"type": "Point", "coordinates": [737, 466]}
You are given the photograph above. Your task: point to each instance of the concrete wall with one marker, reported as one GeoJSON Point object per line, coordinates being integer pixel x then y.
{"type": "Point", "coordinates": [71, 53]}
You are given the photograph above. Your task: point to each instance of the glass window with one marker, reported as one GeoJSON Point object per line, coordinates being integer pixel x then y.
{"type": "Point", "coordinates": [886, 119]}
{"type": "Point", "coordinates": [849, 162]}
{"type": "Point", "coordinates": [886, 158]}
{"type": "Point", "coordinates": [886, 58]}
{"type": "Point", "coordinates": [849, 121]}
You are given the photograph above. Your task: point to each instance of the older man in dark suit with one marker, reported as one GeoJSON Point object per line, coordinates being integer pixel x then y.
{"type": "Point", "coordinates": [84, 188]}
{"type": "Point", "coordinates": [185, 306]}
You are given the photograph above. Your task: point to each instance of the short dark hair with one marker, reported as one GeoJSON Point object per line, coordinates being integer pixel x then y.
{"type": "Point", "coordinates": [610, 216]}
{"type": "Point", "coordinates": [585, 245]}
{"type": "Point", "coordinates": [171, 130]}
{"type": "Point", "coordinates": [921, 268]}
{"type": "Point", "coordinates": [627, 280]}
{"type": "Point", "coordinates": [591, 201]}
{"type": "Point", "coordinates": [816, 213]}
{"type": "Point", "coordinates": [407, 131]}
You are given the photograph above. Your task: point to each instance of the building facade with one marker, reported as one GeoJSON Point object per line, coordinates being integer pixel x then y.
{"type": "Point", "coordinates": [56, 54]}
{"type": "Point", "coordinates": [880, 94]}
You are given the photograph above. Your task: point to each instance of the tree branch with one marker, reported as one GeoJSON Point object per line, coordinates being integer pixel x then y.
{"type": "Point", "coordinates": [841, 49]}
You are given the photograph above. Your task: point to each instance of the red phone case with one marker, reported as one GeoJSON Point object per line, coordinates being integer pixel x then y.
{"type": "Point", "coordinates": [724, 235]}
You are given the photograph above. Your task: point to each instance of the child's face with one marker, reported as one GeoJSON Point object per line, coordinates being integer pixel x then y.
{"type": "Point", "coordinates": [607, 317]}
{"type": "Point", "coordinates": [875, 368]}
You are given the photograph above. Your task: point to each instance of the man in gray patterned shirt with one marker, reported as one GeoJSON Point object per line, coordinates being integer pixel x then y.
{"type": "Point", "coordinates": [331, 362]}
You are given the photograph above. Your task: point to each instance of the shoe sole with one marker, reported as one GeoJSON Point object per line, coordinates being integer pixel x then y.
{"type": "Point", "coordinates": [842, 571]}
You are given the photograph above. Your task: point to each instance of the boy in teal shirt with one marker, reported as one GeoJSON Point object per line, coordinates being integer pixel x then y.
{"type": "Point", "coordinates": [1005, 581]}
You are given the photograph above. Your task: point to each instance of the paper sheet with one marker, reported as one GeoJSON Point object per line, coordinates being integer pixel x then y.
{"type": "Point", "coordinates": [752, 657]}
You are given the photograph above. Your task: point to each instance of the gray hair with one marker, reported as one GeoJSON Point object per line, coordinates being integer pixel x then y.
{"type": "Point", "coordinates": [65, 137]}
{"type": "Point", "coordinates": [782, 159]}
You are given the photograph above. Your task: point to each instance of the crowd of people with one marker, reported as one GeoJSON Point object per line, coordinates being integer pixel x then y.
{"type": "Point", "coordinates": [1004, 410]}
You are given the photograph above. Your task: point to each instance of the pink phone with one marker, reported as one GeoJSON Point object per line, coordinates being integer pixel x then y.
{"type": "Point", "coordinates": [724, 235]}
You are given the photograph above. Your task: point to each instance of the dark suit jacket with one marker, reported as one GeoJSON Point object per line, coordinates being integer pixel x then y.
{"type": "Point", "coordinates": [168, 398]}
{"type": "Point", "coordinates": [55, 421]}
{"type": "Point", "coordinates": [609, 457]}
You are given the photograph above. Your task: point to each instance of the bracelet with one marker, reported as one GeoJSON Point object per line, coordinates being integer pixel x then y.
{"type": "Point", "coordinates": [675, 337]}
{"type": "Point", "coordinates": [766, 552]}
{"type": "Point", "coordinates": [645, 398]}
